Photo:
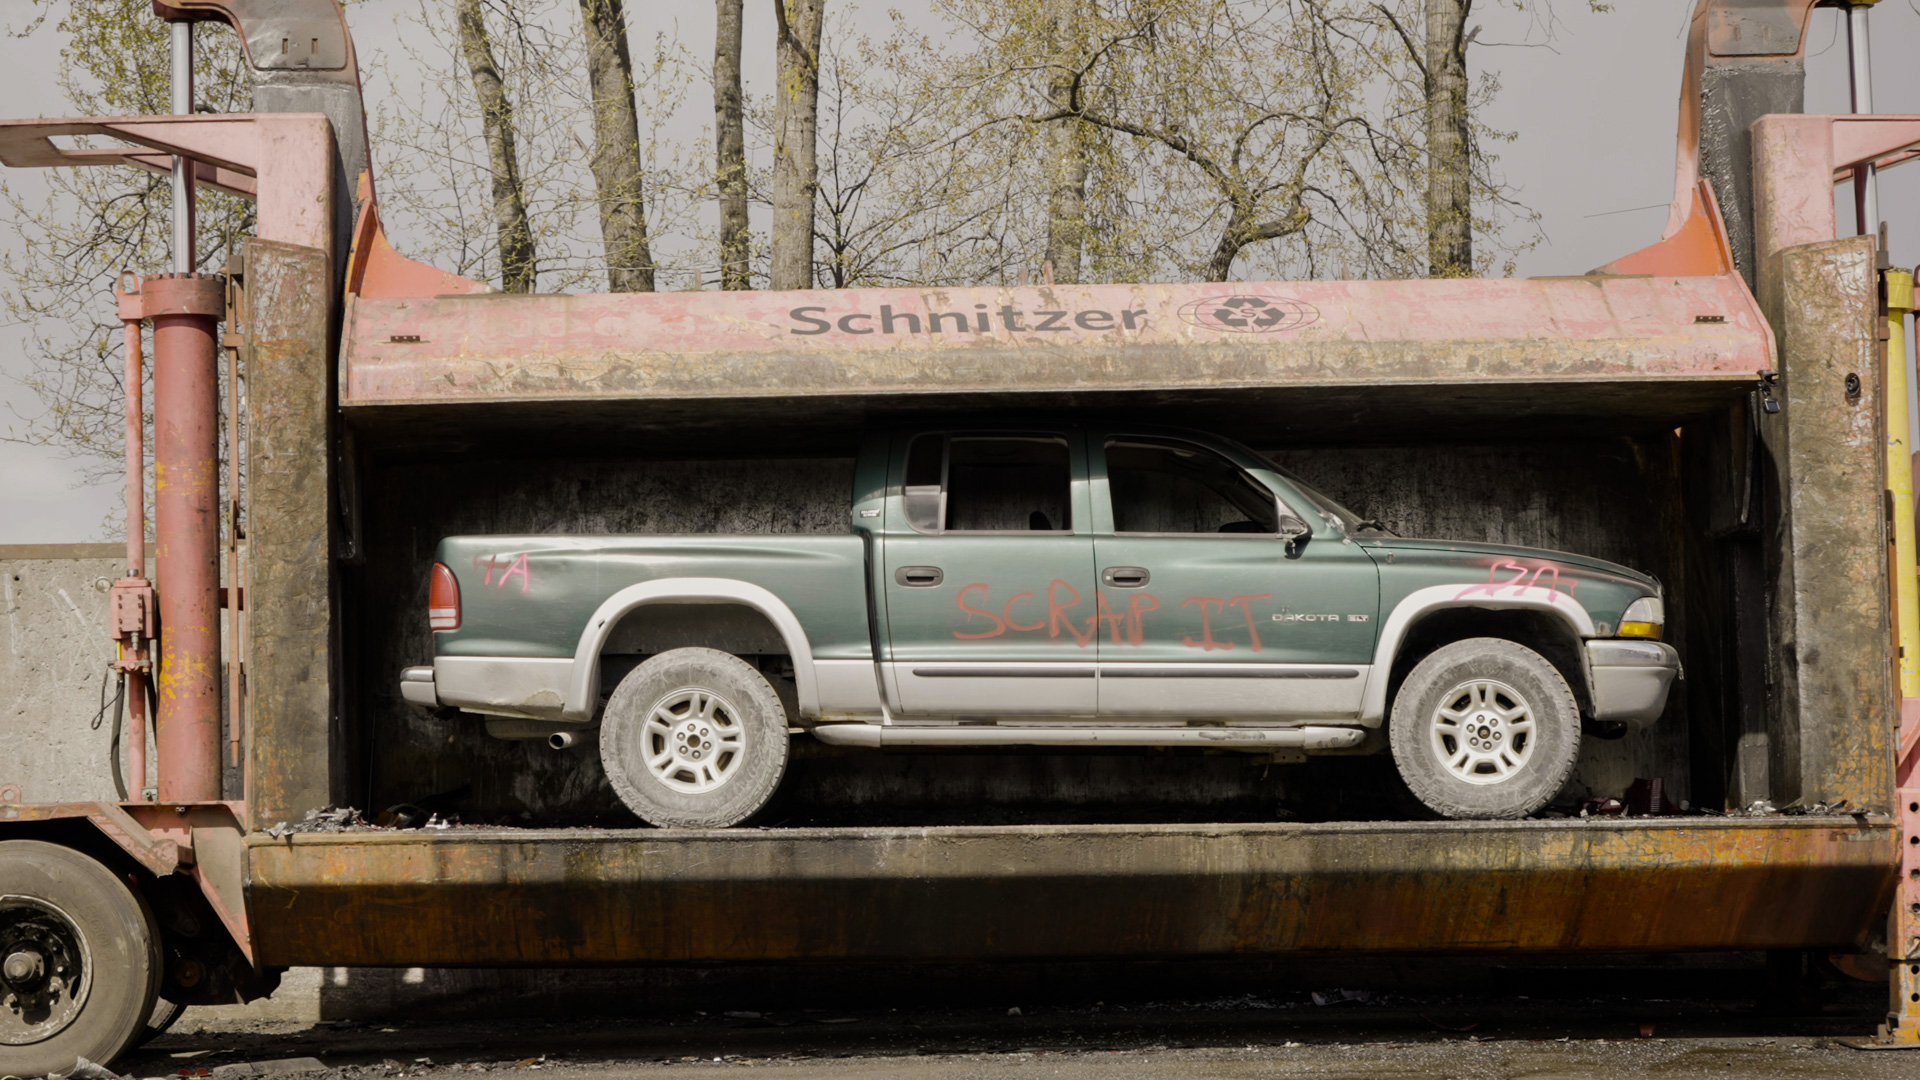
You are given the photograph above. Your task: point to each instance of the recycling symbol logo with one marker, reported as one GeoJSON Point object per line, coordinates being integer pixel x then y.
{"type": "Point", "coordinates": [1242, 314]}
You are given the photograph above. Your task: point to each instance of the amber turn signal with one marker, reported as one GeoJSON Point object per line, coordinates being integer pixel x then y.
{"type": "Point", "coordinates": [1644, 618]}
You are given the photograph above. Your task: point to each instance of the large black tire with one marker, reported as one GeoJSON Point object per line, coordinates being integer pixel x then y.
{"type": "Point", "coordinates": [1485, 728]}
{"type": "Point", "coordinates": [165, 1014]}
{"type": "Point", "coordinates": [694, 739]}
{"type": "Point", "coordinates": [61, 909]}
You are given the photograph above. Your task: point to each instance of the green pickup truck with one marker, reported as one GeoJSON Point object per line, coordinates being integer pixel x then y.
{"type": "Point", "coordinates": [1054, 586]}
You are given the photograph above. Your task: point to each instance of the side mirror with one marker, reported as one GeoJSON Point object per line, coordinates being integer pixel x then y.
{"type": "Point", "coordinates": [925, 506]}
{"type": "Point", "coordinates": [1292, 528]}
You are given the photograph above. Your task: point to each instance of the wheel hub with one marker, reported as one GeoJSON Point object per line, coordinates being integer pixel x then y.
{"type": "Point", "coordinates": [24, 968]}
{"type": "Point", "coordinates": [45, 975]}
{"type": "Point", "coordinates": [694, 740]}
{"type": "Point", "coordinates": [1482, 731]}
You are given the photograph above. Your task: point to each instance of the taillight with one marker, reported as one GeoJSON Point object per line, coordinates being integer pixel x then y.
{"type": "Point", "coordinates": [443, 599]}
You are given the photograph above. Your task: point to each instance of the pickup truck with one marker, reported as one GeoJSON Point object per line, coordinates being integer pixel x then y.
{"type": "Point", "coordinates": [1056, 586]}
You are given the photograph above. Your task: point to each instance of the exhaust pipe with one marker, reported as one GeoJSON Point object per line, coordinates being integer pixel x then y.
{"type": "Point", "coordinates": [562, 740]}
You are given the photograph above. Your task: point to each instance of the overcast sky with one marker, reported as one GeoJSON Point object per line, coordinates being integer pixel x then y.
{"type": "Point", "coordinates": [1594, 109]}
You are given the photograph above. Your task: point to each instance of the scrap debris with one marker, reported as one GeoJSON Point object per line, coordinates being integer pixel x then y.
{"type": "Point", "coordinates": [85, 1070]}
{"type": "Point", "coordinates": [330, 819]}
{"type": "Point", "coordinates": [246, 1070]}
{"type": "Point", "coordinates": [344, 819]}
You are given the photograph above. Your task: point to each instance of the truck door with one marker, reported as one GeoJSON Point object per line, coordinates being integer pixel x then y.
{"type": "Point", "coordinates": [989, 576]}
{"type": "Point", "coordinates": [1208, 611]}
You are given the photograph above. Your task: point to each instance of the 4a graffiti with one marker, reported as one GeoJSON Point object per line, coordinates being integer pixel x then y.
{"type": "Point", "coordinates": [515, 566]}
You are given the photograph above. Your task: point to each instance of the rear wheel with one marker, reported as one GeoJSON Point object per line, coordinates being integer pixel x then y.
{"type": "Point", "coordinates": [1485, 728]}
{"type": "Point", "coordinates": [694, 738]}
{"type": "Point", "coordinates": [164, 1014]}
{"type": "Point", "coordinates": [79, 960]}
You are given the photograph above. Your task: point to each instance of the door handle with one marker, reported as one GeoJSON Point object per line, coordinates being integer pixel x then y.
{"type": "Point", "coordinates": [1125, 577]}
{"type": "Point", "coordinates": [919, 577]}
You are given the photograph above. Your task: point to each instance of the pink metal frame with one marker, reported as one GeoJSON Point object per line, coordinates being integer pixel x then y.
{"type": "Point", "coordinates": [1797, 160]}
{"type": "Point", "coordinates": [284, 162]}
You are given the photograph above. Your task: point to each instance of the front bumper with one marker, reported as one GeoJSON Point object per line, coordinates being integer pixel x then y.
{"type": "Point", "coordinates": [1631, 679]}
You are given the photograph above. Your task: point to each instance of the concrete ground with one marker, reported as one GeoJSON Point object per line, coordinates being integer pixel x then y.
{"type": "Point", "coordinates": [1479, 1035]}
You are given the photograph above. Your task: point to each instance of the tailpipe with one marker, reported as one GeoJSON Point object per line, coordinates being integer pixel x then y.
{"type": "Point", "coordinates": [562, 740]}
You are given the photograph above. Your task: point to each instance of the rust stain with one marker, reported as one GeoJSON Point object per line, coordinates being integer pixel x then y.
{"type": "Point", "coordinates": [652, 895]}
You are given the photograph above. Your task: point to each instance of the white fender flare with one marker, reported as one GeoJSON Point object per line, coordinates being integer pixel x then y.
{"type": "Point", "coordinates": [1373, 703]}
{"type": "Point", "coordinates": [583, 691]}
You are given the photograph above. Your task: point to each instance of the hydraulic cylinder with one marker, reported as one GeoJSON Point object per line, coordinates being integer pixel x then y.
{"type": "Point", "coordinates": [186, 311]}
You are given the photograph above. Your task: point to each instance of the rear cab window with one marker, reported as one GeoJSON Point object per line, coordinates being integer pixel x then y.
{"type": "Point", "coordinates": [974, 483]}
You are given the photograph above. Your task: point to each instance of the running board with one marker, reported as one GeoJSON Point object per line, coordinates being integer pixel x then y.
{"type": "Point", "coordinates": [1301, 738]}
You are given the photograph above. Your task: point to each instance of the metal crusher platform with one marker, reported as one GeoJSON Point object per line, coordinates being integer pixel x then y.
{"type": "Point", "coordinates": [503, 897]}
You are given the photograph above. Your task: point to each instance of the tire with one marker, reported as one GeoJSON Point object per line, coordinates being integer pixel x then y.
{"type": "Point", "coordinates": [164, 1014]}
{"type": "Point", "coordinates": [1531, 729]}
{"type": "Point", "coordinates": [60, 908]}
{"type": "Point", "coordinates": [719, 701]}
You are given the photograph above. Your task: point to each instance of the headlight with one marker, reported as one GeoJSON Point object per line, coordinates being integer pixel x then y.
{"type": "Point", "coordinates": [1644, 618]}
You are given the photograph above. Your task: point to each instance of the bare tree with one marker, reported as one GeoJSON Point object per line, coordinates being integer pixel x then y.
{"type": "Point", "coordinates": [1258, 98]}
{"type": "Point", "coordinates": [1226, 137]}
{"type": "Point", "coordinates": [1449, 141]}
{"type": "Point", "coordinates": [1427, 50]}
{"type": "Point", "coordinates": [1067, 148]}
{"type": "Point", "coordinates": [901, 201]}
{"type": "Point", "coordinates": [517, 260]}
{"type": "Point", "coordinates": [436, 165]}
{"type": "Point", "coordinates": [616, 147]}
{"type": "Point", "coordinates": [76, 229]}
{"type": "Point", "coordinates": [796, 178]}
{"type": "Point", "coordinates": [730, 148]}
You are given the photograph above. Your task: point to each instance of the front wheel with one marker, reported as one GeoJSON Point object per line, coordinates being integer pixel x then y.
{"type": "Point", "coordinates": [1485, 728]}
{"type": "Point", "coordinates": [79, 960]}
{"type": "Point", "coordinates": [694, 738]}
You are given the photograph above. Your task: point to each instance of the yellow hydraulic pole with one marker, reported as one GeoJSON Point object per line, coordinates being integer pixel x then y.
{"type": "Point", "coordinates": [1906, 589]}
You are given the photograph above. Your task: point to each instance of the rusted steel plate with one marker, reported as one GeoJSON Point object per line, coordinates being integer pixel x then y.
{"type": "Point", "coordinates": [505, 897]}
{"type": "Point", "coordinates": [501, 347]}
{"type": "Point", "coordinates": [159, 855]}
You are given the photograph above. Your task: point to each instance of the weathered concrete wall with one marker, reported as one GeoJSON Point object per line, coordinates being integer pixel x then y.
{"type": "Point", "coordinates": [293, 752]}
{"type": "Point", "coordinates": [54, 598]}
{"type": "Point", "coordinates": [53, 615]}
{"type": "Point", "coordinates": [1600, 497]}
{"type": "Point", "coordinates": [1831, 679]}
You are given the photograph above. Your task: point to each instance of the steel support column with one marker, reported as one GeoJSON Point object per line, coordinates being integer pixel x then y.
{"type": "Point", "coordinates": [186, 310]}
{"type": "Point", "coordinates": [293, 751]}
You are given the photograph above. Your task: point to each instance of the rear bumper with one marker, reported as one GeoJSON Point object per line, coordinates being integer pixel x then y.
{"type": "Point", "coordinates": [529, 688]}
{"type": "Point", "coordinates": [1631, 679]}
{"type": "Point", "coordinates": [417, 688]}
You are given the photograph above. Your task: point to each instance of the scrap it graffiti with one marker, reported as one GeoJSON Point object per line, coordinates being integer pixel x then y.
{"type": "Point", "coordinates": [1054, 615]}
{"type": "Point", "coordinates": [1207, 642]}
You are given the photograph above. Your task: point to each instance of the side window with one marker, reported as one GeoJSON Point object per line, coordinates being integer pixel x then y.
{"type": "Point", "coordinates": [1175, 487]}
{"type": "Point", "coordinates": [988, 483]}
{"type": "Point", "coordinates": [926, 483]}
